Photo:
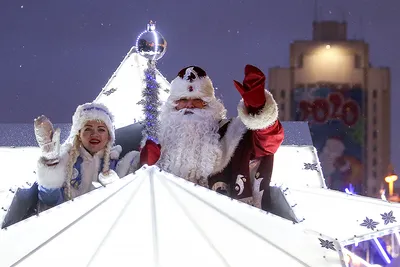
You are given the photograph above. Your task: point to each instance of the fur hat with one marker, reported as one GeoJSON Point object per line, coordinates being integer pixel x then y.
{"type": "Point", "coordinates": [90, 112]}
{"type": "Point", "coordinates": [192, 82]}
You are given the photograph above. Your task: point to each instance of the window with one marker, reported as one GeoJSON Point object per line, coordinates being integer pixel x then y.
{"type": "Point", "coordinates": [374, 161]}
{"type": "Point", "coordinates": [374, 107]}
{"type": "Point", "coordinates": [374, 93]}
{"type": "Point", "coordinates": [374, 174]}
{"type": "Point", "coordinates": [300, 60]}
{"type": "Point", "coordinates": [375, 134]}
{"type": "Point", "coordinates": [283, 94]}
{"type": "Point", "coordinates": [357, 61]}
{"type": "Point", "coordinates": [282, 107]}
{"type": "Point", "coordinates": [374, 120]}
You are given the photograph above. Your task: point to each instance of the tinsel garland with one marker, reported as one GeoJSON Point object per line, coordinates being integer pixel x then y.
{"type": "Point", "coordinates": [151, 104]}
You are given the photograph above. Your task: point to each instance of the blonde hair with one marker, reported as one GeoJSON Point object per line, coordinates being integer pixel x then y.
{"type": "Point", "coordinates": [73, 156]}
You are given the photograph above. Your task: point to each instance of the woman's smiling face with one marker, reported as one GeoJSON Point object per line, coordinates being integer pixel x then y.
{"type": "Point", "coordinates": [94, 136]}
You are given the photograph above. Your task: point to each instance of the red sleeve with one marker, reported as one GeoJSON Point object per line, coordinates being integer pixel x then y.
{"type": "Point", "coordinates": [267, 141]}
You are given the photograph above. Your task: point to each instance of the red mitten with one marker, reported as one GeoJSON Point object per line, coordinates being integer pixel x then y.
{"type": "Point", "coordinates": [150, 153]}
{"type": "Point", "coordinates": [252, 89]}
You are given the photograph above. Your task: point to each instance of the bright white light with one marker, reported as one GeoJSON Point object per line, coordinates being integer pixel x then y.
{"type": "Point", "coordinates": [328, 47]}
{"type": "Point", "coordinates": [383, 197]}
{"type": "Point", "coordinates": [383, 253]}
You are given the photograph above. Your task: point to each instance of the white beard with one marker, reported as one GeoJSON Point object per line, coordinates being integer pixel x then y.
{"type": "Point", "coordinates": [190, 146]}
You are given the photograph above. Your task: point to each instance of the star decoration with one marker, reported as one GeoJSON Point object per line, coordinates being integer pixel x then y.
{"type": "Point", "coordinates": [369, 223]}
{"type": "Point", "coordinates": [388, 217]}
{"type": "Point", "coordinates": [109, 92]}
{"type": "Point", "coordinates": [311, 166]}
{"type": "Point", "coordinates": [327, 244]}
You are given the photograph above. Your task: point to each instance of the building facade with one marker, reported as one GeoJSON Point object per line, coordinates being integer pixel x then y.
{"type": "Point", "coordinates": [331, 83]}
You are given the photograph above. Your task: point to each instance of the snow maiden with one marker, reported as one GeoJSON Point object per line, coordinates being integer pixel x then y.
{"type": "Point", "coordinates": [86, 160]}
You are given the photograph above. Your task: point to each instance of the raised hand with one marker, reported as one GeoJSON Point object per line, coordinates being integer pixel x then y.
{"type": "Point", "coordinates": [48, 139]}
{"type": "Point", "coordinates": [43, 130]}
{"type": "Point", "coordinates": [252, 88]}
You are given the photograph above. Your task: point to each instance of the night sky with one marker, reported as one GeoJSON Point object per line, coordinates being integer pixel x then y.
{"type": "Point", "coordinates": [57, 54]}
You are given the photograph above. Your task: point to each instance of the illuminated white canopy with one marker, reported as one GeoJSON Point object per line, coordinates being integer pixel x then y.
{"type": "Point", "coordinates": [356, 218]}
{"type": "Point", "coordinates": [123, 91]}
{"type": "Point", "coordinates": [156, 219]}
{"type": "Point", "coordinates": [12, 158]}
{"type": "Point", "coordinates": [299, 193]}
{"type": "Point", "coordinates": [298, 166]}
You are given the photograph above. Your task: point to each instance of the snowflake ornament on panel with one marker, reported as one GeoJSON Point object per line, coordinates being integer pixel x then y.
{"type": "Point", "coordinates": [369, 223]}
{"type": "Point", "coordinates": [109, 92]}
{"type": "Point", "coordinates": [388, 217]}
{"type": "Point", "coordinates": [311, 166]}
{"type": "Point", "coordinates": [327, 244]}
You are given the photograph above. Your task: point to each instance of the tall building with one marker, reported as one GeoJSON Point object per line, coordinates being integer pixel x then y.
{"type": "Point", "coordinates": [332, 84]}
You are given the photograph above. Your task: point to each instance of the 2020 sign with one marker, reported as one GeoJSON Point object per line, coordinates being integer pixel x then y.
{"type": "Point", "coordinates": [334, 107]}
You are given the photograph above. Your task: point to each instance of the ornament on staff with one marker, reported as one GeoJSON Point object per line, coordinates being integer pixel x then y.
{"type": "Point", "coordinates": [151, 45]}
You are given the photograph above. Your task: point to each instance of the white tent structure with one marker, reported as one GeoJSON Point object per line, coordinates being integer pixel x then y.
{"type": "Point", "coordinates": [301, 195]}
{"type": "Point", "coordinates": [155, 219]}
{"type": "Point", "coordinates": [123, 91]}
{"type": "Point", "coordinates": [148, 218]}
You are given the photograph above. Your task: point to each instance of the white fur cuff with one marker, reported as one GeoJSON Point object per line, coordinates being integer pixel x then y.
{"type": "Point", "coordinates": [129, 163]}
{"type": "Point", "coordinates": [115, 152]}
{"type": "Point", "coordinates": [267, 116]}
{"type": "Point", "coordinates": [50, 176]}
{"type": "Point", "coordinates": [108, 179]}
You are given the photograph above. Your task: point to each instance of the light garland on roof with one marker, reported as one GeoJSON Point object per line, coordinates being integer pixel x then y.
{"type": "Point", "coordinates": [151, 104]}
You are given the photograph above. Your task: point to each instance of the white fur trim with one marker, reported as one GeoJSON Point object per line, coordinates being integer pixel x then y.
{"type": "Point", "coordinates": [234, 133]}
{"type": "Point", "coordinates": [202, 88]}
{"type": "Point", "coordinates": [129, 163]}
{"type": "Point", "coordinates": [108, 179]}
{"type": "Point", "coordinates": [92, 111]}
{"type": "Point", "coordinates": [267, 116]}
{"type": "Point", "coordinates": [115, 152]}
{"type": "Point", "coordinates": [53, 176]}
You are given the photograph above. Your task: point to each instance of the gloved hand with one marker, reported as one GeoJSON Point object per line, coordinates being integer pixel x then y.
{"type": "Point", "coordinates": [108, 178]}
{"type": "Point", "coordinates": [48, 139]}
{"type": "Point", "coordinates": [252, 89]}
{"type": "Point", "coordinates": [150, 153]}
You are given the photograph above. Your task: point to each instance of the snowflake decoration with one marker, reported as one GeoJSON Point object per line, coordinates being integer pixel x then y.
{"type": "Point", "coordinates": [327, 244]}
{"type": "Point", "coordinates": [109, 92]}
{"type": "Point", "coordinates": [369, 223]}
{"type": "Point", "coordinates": [311, 166]}
{"type": "Point", "coordinates": [388, 217]}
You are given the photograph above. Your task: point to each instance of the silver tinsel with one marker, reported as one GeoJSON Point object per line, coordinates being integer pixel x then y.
{"type": "Point", "coordinates": [151, 104]}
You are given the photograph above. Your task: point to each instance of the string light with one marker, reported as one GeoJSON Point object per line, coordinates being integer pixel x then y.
{"type": "Point", "coordinates": [151, 103]}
